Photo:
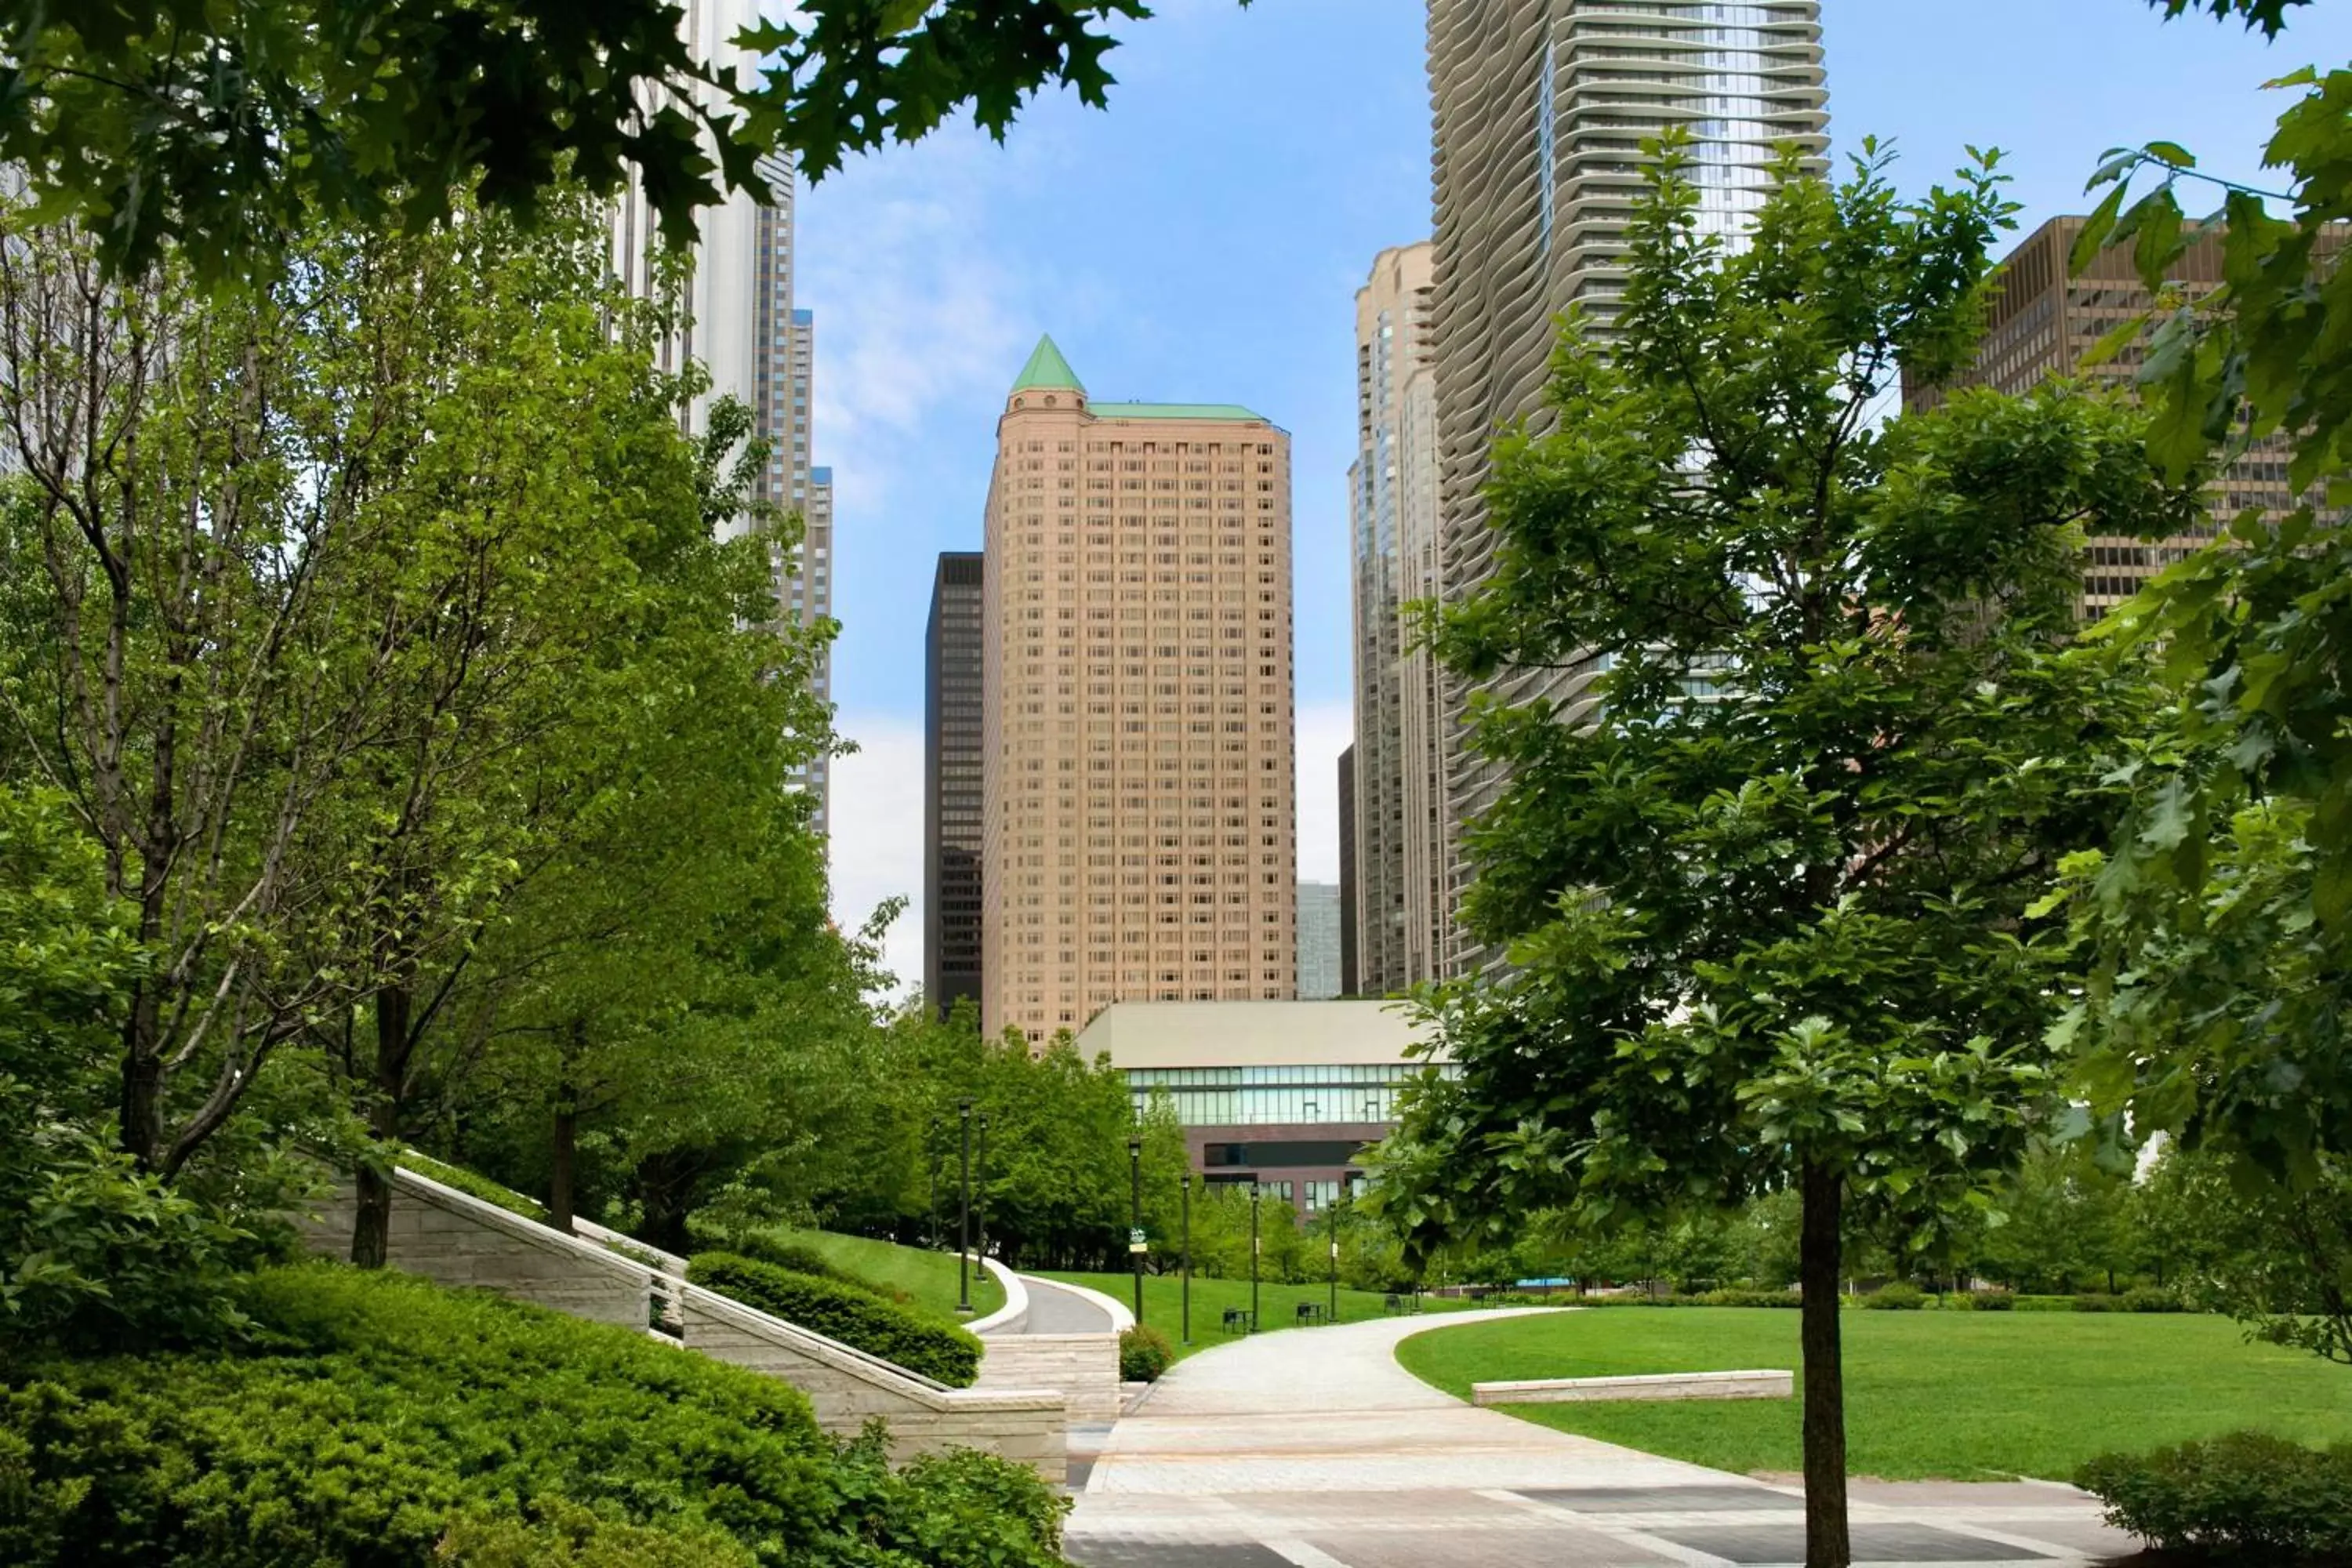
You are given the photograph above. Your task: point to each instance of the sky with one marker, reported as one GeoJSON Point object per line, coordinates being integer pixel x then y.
{"type": "Point", "coordinates": [1202, 241]}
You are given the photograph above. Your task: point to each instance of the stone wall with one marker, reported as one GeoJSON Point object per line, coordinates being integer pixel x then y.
{"type": "Point", "coordinates": [454, 1238]}
{"type": "Point", "coordinates": [1028, 1424]}
{"type": "Point", "coordinates": [1085, 1367]}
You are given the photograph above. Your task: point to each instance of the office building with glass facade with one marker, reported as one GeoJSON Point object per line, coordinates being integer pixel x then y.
{"type": "Point", "coordinates": [1283, 1095]}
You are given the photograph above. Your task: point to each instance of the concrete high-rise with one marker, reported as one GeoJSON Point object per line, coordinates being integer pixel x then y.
{"type": "Point", "coordinates": [953, 734]}
{"type": "Point", "coordinates": [1318, 941]}
{"type": "Point", "coordinates": [1399, 769]}
{"type": "Point", "coordinates": [1541, 106]}
{"type": "Point", "coordinates": [740, 322]}
{"type": "Point", "coordinates": [1139, 836]}
{"type": "Point", "coordinates": [2043, 322]}
{"type": "Point", "coordinates": [1348, 983]}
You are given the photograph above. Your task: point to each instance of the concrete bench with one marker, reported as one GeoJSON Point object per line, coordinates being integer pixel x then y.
{"type": "Point", "coordinates": [1650, 1385]}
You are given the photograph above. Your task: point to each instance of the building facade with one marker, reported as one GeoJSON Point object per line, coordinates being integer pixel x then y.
{"type": "Point", "coordinates": [740, 322]}
{"type": "Point", "coordinates": [1139, 836]}
{"type": "Point", "coordinates": [1318, 941]}
{"type": "Point", "coordinates": [952, 735]}
{"type": "Point", "coordinates": [2042, 324]}
{"type": "Point", "coordinates": [1348, 983]}
{"type": "Point", "coordinates": [1279, 1095]}
{"type": "Point", "coordinates": [1399, 816]}
{"type": "Point", "coordinates": [1541, 106]}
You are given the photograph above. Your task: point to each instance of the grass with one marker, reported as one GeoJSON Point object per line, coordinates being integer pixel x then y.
{"type": "Point", "coordinates": [1278, 1304]}
{"type": "Point", "coordinates": [1929, 1395]}
{"type": "Point", "coordinates": [929, 1277]}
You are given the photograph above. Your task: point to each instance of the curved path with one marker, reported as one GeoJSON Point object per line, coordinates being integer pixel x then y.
{"type": "Point", "coordinates": [1058, 1309]}
{"type": "Point", "coordinates": [1312, 1446]}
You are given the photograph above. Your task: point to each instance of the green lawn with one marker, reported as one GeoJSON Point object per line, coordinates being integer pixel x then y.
{"type": "Point", "coordinates": [1951, 1395]}
{"type": "Point", "coordinates": [928, 1277]}
{"type": "Point", "coordinates": [1278, 1304]}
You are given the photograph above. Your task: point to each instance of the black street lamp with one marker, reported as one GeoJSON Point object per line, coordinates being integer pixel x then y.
{"type": "Point", "coordinates": [1332, 1315]}
{"type": "Point", "coordinates": [1186, 1266]}
{"type": "Point", "coordinates": [1135, 1243]}
{"type": "Point", "coordinates": [980, 1236]}
{"type": "Point", "coordinates": [964, 1224]}
{"type": "Point", "coordinates": [1255, 1192]}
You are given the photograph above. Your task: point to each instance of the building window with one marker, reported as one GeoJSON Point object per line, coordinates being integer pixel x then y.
{"type": "Point", "coordinates": [1547, 141]}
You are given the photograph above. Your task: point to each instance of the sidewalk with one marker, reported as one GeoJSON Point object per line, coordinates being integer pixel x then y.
{"type": "Point", "coordinates": [1312, 1446]}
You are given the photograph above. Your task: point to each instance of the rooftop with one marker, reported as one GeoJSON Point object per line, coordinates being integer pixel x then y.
{"type": "Point", "coordinates": [1140, 1034]}
{"type": "Point", "coordinates": [1047, 367]}
{"type": "Point", "coordinates": [1175, 411]}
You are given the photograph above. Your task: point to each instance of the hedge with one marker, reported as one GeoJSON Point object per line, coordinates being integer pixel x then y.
{"type": "Point", "coordinates": [380, 1421]}
{"type": "Point", "coordinates": [2247, 1497]}
{"type": "Point", "coordinates": [856, 1318]}
{"type": "Point", "coordinates": [1144, 1353]}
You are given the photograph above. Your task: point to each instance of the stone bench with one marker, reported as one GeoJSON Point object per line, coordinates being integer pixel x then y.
{"type": "Point", "coordinates": [1648, 1385]}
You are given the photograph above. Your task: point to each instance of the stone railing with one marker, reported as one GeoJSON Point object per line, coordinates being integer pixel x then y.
{"type": "Point", "coordinates": [455, 1238]}
{"type": "Point", "coordinates": [849, 1388]}
{"type": "Point", "coordinates": [668, 1269]}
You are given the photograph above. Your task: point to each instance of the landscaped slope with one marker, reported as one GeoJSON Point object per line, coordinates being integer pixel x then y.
{"type": "Point", "coordinates": [1960, 1395]}
{"type": "Point", "coordinates": [927, 1279]}
{"type": "Point", "coordinates": [377, 1419]}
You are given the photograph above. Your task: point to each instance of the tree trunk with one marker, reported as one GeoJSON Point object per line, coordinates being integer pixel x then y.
{"type": "Point", "coordinates": [1827, 1541]}
{"type": "Point", "coordinates": [142, 1132]}
{"type": "Point", "coordinates": [563, 1151]}
{"type": "Point", "coordinates": [371, 1226]}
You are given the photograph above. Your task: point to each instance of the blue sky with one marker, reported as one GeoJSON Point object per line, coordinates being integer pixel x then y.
{"type": "Point", "coordinates": [1204, 240]}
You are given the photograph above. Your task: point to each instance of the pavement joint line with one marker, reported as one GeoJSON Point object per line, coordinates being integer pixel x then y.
{"type": "Point", "coordinates": [2005, 1538]}
{"type": "Point", "coordinates": [1303, 1554]}
{"type": "Point", "coordinates": [1611, 1526]}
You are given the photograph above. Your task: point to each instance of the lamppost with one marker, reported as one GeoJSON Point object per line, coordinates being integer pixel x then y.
{"type": "Point", "coordinates": [1135, 1243]}
{"type": "Point", "coordinates": [981, 1239]}
{"type": "Point", "coordinates": [1332, 1212]}
{"type": "Point", "coordinates": [963, 1222]}
{"type": "Point", "coordinates": [1255, 1192]}
{"type": "Point", "coordinates": [1186, 1276]}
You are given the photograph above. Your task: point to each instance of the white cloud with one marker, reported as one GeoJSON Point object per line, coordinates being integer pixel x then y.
{"type": "Point", "coordinates": [877, 835]}
{"type": "Point", "coordinates": [1324, 730]}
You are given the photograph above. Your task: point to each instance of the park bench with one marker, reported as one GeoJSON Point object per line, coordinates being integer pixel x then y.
{"type": "Point", "coordinates": [1393, 1304]}
{"type": "Point", "coordinates": [1236, 1320]}
{"type": "Point", "coordinates": [1312, 1312]}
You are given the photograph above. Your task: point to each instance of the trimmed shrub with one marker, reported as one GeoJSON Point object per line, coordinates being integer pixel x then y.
{"type": "Point", "coordinates": [1989, 1300]}
{"type": "Point", "coordinates": [1752, 1299]}
{"type": "Point", "coordinates": [1144, 1353]}
{"type": "Point", "coordinates": [2248, 1495]}
{"type": "Point", "coordinates": [2097, 1302]}
{"type": "Point", "coordinates": [376, 1419]}
{"type": "Point", "coordinates": [2152, 1298]}
{"type": "Point", "coordinates": [1897, 1296]}
{"type": "Point", "coordinates": [474, 1186]}
{"type": "Point", "coordinates": [857, 1318]}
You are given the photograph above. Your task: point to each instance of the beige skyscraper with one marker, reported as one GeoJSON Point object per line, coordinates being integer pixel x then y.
{"type": "Point", "coordinates": [1541, 108]}
{"type": "Point", "coordinates": [1137, 839]}
{"type": "Point", "coordinates": [1398, 818]}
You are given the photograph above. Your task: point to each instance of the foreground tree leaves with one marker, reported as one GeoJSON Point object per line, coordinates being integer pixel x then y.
{"type": "Point", "coordinates": [1765, 882]}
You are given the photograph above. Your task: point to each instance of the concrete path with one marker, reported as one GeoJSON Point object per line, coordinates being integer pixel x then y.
{"type": "Point", "coordinates": [1312, 1446]}
{"type": "Point", "coordinates": [1057, 1309]}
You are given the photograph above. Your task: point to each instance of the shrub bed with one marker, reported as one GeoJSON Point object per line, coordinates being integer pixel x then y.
{"type": "Point", "coordinates": [377, 1420]}
{"type": "Point", "coordinates": [2247, 1497]}
{"type": "Point", "coordinates": [473, 1185]}
{"type": "Point", "coordinates": [1144, 1353]}
{"type": "Point", "coordinates": [855, 1316]}
{"type": "Point", "coordinates": [1897, 1296]}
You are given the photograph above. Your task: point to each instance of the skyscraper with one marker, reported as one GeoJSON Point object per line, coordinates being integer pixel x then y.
{"type": "Point", "coordinates": [1399, 763]}
{"type": "Point", "coordinates": [952, 735]}
{"type": "Point", "coordinates": [1318, 941]}
{"type": "Point", "coordinates": [1541, 106]}
{"type": "Point", "coordinates": [1139, 839]}
{"type": "Point", "coordinates": [740, 323]}
{"type": "Point", "coordinates": [1349, 985]}
{"type": "Point", "coordinates": [2045, 321]}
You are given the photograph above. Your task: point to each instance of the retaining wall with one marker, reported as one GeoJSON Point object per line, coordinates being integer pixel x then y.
{"type": "Point", "coordinates": [1085, 1367]}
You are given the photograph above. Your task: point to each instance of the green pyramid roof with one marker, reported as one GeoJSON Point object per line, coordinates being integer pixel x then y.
{"type": "Point", "coordinates": [1047, 367]}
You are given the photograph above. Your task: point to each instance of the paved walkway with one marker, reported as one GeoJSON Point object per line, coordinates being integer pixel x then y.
{"type": "Point", "coordinates": [1313, 1447]}
{"type": "Point", "coordinates": [1054, 1310]}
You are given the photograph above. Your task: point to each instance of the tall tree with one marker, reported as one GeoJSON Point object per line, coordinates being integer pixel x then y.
{"type": "Point", "coordinates": [2220, 918]}
{"type": "Point", "coordinates": [227, 132]}
{"type": "Point", "coordinates": [1766, 898]}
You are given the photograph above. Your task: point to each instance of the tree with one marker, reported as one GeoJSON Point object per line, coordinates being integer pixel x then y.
{"type": "Point", "coordinates": [1766, 898]}
{"type": "Point", "coordinates": [2218, 922]}
{"type": "Point", "coordinates": [2277, 1257]}
{"type": "Point", "coordinates": [227, 132]}
{"type": "Point", "coordinates": [183, 531]}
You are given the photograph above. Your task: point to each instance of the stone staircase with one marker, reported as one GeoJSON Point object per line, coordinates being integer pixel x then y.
{"type": "Point", "coordinates": [454, 1238]}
